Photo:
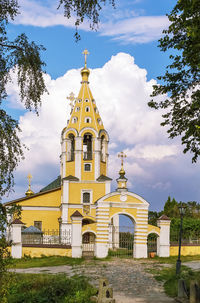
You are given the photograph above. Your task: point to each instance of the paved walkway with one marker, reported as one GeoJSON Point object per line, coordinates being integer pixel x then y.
{"type": "Point", "coordinates": [129, 279]}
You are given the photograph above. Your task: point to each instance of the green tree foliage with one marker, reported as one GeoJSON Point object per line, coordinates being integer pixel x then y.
{"type": "Point", "coordinates": [181, 79]}
{"type": "Point", "coordinates": [23, 57]}
{"type": "Point", "coordinates": [171, 208]}
{"type": "Point", "coordinates": [154, 216]}
{"type": "Point", "coordinates": [5, 242]}
{"type": "Point", "coordinates": [84, 9]}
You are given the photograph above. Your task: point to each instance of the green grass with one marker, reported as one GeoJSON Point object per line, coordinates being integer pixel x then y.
{"type": "Point", "coordinates": [44, 288]}
{"type": "Point", "coordinates": [27, 262]}
{"type": "Point", "coordinates": [172, 260]}
{"type": "Point", "coordinates": [170, 280]}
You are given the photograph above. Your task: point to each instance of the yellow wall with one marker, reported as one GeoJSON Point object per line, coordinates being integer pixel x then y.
{"type": "Point", "coordinates": [85, 174]}
{"type": "Point", "coordinates": [114, 211]}
{"type": "Point", "coordinates": [49, 218]}
{"type": "Point", "coordinates": [39, 251]}
{"type": "Point", "coordinates": [103, 168]}
{"type": "Point", "coordinates": [75, 191]}
{"type": "Point", "coordinates": [152, 228]}
{"type": "Point", "coordinates": [52, 198]}
{"type": "Point", "coordinates": [116, 198]}
{"type": "Point", "coordinates": [70, 168]}
{"type": "Point", "coordinates": [89, 227]}
{"type": "Point", "coordinates": [91, 215]}
{"type": "Point", "coordinates": [185, 250]}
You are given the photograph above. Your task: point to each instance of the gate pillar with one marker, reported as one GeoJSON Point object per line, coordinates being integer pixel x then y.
{"type": "Point", "coordinates": [164, 239]}
{"type": "Point", "coordinates": [102, 237]}
{"type": "Point", "coordinates": [16, 248]}
{"type": "Point", "coordinates": [76, 234]}
{"type": "Point", "coordinates": [140, 244]}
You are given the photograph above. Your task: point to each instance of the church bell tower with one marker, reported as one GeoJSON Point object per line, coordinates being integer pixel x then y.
{"type": "Point", "coordinates": [84, 157]}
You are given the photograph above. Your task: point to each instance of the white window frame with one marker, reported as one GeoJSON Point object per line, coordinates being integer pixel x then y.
{"type": "Point", "coordinates": [87, 107]}
{"type": "Point", "coordinates": [88, 171]}
{"type": "Point", "coordinates": [77, 109]}
{"type": "Point", "coordinates": [74, 120]}
{"type": "Point", "coordinates": [86, 100]}
{"type": "Point", "coordinates": [90, 191]}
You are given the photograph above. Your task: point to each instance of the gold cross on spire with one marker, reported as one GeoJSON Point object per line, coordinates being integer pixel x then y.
{"type": "Point", "coordinates": [122, 156]}
{"type": "Point", "coordinates": [85, 53]}
{"type": "Point", "coordinates": [29, 177]}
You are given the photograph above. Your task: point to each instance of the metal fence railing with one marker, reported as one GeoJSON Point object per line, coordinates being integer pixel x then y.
{"type": "Point", "coordinates": [47, 237]}
{"type": "Point", "coordinates": [188, 237]}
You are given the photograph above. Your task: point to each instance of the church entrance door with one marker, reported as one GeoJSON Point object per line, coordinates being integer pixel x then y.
{"type": "Point", "coordinates": [88, 244]}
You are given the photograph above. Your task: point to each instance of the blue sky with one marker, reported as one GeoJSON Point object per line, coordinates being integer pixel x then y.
{"type": "Point", "coordinates": [124, 61]}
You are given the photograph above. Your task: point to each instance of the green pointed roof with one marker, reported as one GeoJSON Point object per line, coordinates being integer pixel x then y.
{"type": "Point", "coordinates": [53, 185]}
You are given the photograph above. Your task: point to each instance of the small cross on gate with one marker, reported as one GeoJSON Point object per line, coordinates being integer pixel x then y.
{"type": "Point", "coordinates": [122, 156]}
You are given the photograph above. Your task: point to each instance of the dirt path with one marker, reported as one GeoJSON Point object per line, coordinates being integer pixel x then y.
{"type": "Point", "coordinates": [129, 279]}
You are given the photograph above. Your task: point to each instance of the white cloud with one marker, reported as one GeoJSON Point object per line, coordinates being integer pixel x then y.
{"type": "Point", "coordinates": [152, 152]}
{"type": "Point", "coordinates": [142, 29]}
{"type": "Point", "coordinates": [42, 14]}
{"type": "Point", "coordinates": [123, 24]}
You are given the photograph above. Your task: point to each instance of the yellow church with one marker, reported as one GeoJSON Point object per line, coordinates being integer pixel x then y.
{"type": "Point", "coordinates": [77, 212]}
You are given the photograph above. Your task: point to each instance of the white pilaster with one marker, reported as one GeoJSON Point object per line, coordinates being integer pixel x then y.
{"type": "Point", "coordinates": [108, 183]}
{"type": "Point", "coordinates": [97, 155]}
{"type": "Point", "coordinates": [78, 155]}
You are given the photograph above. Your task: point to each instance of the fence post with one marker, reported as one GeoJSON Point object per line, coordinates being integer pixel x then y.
{"type": "Point", "coordinates": [16, 246]}
{"type": "Point", "coordinates": [76, 218]}
{"type": "Point", "coordinates": [164, 239]}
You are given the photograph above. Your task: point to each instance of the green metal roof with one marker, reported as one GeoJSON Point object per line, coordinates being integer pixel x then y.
{"type": "Point", "coordinates": [53, 185]}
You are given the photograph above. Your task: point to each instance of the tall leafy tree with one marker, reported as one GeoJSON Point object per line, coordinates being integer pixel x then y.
{"type": "Point", "coordinates": [23, 57]}
{"type": "Point", "coordinates": [182, 77]}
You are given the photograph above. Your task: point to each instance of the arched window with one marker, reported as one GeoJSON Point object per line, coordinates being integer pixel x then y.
{"type": "Point", "coordinates": [103, 149]}
{"type": "Point", "coordinates": [77, 109]}
{"type": "Point", "coordinates": [87, 109]}
{"type": "Point", "coordinates": [88, 120]}
{"type": "Point", "coordinates": [87, 167]}
{"type": "Point", "coordinates": [87, 147]}
{"type": "Point", "coordinates": [86, 100]}
{"type": "Point", "coordinates": [70, 147]}
{"type": "Point", "coordinates": [74, 119]}
{"type": "Point", "coordinates": [86, 197]}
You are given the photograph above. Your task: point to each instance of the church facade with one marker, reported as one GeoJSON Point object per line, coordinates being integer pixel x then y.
{"type": "Point", "coordinates": [80, 200]}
